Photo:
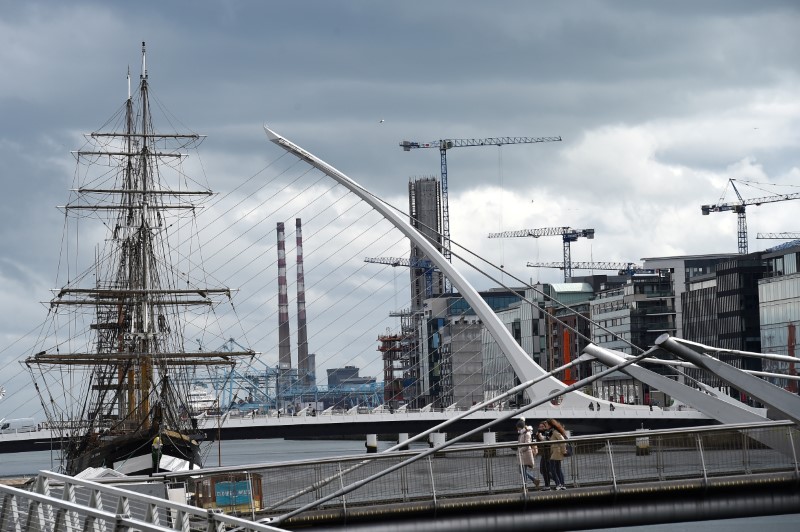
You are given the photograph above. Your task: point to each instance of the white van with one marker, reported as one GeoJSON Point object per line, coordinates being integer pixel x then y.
{"type": "Point", "coordinates": [12, 426]}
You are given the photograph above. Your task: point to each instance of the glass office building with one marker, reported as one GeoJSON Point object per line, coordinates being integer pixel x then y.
{"type": "Point", "coordinates": [779, 309]}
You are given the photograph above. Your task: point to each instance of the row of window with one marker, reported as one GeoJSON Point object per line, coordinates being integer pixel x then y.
{"type": "Point", "coordinates": [613, 322]}
{"type": "Point", "coordinates": [606, 338]}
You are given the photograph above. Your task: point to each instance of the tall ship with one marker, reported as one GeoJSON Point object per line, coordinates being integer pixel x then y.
{"type": "Point", "coordinates": [112, 366]}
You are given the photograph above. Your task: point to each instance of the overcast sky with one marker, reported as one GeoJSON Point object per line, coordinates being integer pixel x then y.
{"type": "Point", "coordinates": [658, 105]}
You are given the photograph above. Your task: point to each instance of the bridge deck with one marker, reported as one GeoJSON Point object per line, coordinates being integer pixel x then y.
{"type": "Point", "coordinates": [614, 480]}
{"type": "Point", "coordinates": [477, 476]}
{"type": "Point", "coordinates": [580, 420]}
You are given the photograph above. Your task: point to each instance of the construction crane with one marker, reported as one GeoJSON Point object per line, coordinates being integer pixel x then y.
{"type": "Point", "coordinates": [739, 207]}
{"type": "Point", "coordinates": [446, 144]}
{"type": "Point", "coordinates": [779, 236]}
{"type": "Point", "coordinates": [623, 268]}
{"type": "Point", "coordinates": [414, 262]}
{"type": "Point", "coordinates": [567, 234]}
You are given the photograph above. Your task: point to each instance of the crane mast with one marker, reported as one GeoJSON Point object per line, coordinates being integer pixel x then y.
{"type": "Point", "coordinates": [445, 144]}
{"type": "Point", "coordinates": [568, 235]}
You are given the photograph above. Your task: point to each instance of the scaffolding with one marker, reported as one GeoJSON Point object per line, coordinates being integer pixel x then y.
{"type": "Point", "coordinates": [401, 362]}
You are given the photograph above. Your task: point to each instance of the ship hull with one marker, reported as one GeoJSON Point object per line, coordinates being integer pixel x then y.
{"type": "Point", "coordinates": [132, 454]}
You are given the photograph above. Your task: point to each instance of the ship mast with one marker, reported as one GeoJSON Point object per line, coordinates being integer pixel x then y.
{"type": "Point", "coordinates": [136, 302]}
{"type": "Point", "coordinates": [145, 362]}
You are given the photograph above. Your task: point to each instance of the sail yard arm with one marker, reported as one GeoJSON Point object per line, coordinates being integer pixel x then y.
{"type": "Point", "coordinates": [170, 359]}
{"type": "Point", "coordinates": [111, 292]}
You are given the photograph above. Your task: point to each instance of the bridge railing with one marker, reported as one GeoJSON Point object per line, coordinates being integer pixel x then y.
{"type": "Point", "coordinates": [58, 502]}
{"type": "Point", "coordinates": [474, 470]}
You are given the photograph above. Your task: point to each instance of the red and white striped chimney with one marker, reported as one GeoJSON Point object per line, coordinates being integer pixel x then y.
{"type": "Point", "coordinates": [303, 367]}
{"type": "Point", "coordinates": [284, 342]}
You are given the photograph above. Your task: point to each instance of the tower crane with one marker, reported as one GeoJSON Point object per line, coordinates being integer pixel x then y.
{"type": "Point", "coordinates": [779, 236]}
{"type": "Point", "coordinates": [446, 144]}
{"type": "Point", "coordinates": [623, 268]}
{"type": "Point", "coordinates": [414, 262]}
{"type": "Point", "coordinates": [567, 234]}
{"type": "Point", "coordinates": [739, 207]}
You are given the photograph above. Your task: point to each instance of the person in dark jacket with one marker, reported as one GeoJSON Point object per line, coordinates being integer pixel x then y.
{"type": "Point", "coordinates": [544, 452]}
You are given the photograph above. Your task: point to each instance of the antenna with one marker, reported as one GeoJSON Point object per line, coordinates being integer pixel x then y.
{"type": "Point", "coordinates": [129, 82]}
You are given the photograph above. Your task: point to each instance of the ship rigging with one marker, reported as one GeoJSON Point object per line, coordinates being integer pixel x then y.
{"type": "Point", "coordinates": [112, 368]}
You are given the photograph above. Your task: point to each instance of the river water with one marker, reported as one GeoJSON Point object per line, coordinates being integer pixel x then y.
{"type": "Point", "coordinates": [234, 452]}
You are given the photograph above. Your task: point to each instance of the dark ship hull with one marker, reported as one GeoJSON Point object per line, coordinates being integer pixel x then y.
{"type": "Point", "coordinates": [132, 453]}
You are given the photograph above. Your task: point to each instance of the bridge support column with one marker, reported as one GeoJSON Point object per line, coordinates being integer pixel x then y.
{"type": "Point", "coordinates": [489, 438]}
{"type": "Point", "coordinates": [642, 443]}
{"type": "Point", "coordinates": [403, 436]}
{"type": "Point", "coordinates": [372, 443]}
{"type": "Point", "coordinates": [436, 438]}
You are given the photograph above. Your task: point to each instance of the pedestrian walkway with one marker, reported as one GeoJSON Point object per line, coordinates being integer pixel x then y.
{"type": "Point", "coordinates": [606, 464]}
{"type": "Point", "coordinates": [690, 471]}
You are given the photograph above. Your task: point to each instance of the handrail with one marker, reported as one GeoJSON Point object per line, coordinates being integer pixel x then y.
{"type": "Point", "coordinates": [173, 476]}
{"type": "Point", "coordinates": [148, 500]}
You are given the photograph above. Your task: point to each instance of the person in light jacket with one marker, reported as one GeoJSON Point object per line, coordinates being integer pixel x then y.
{"type": "Point", "coordinates": [156, 453]}
{"type": "Point", "coordinates": [557, 451]}
{"type": "Point", "coordinates": [527, 453]}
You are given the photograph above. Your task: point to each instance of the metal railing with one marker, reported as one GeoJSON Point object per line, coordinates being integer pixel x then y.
{"type": "Point", "coordinates": [478, 470]}
{"type": "Point", "coordinates": [62, 503]}
{"type": "Point", "coordinates": [236, 497]}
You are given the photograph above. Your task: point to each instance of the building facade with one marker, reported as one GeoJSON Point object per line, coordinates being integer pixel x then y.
{"type": "Point", "coordinates": [454, 357]}
{"type": "Point", "coordinates": [568, 328]}
{"type": "Point", "coordinates": [721, 310]}
{"type": "Point", "coordinates": [779, 309]}
{"type": "Point", "coordinates": [425, 211]}
{"type": "Point", "coordinates": [628, 318]}
{"type": "Point", "coordinates": [684, 269]}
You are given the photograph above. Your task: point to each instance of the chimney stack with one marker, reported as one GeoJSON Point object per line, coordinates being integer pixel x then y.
{"type": "Point", "coordinates": [284, 343]}
{"type": "Point", "coordinates": [306, 372]}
